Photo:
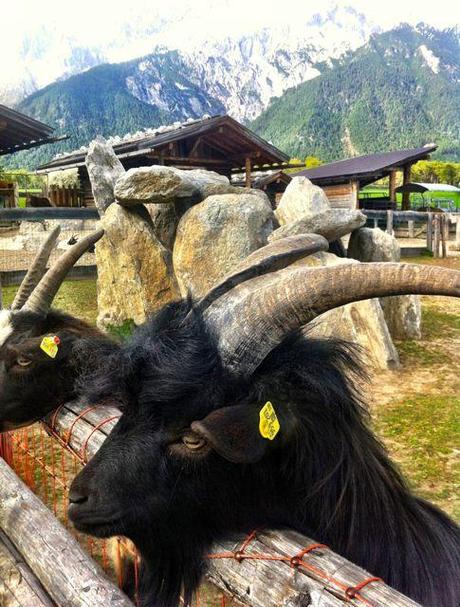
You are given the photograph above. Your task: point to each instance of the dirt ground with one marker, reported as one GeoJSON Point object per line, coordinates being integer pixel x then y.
{"type": "Point", "coordinates": [416, 409]}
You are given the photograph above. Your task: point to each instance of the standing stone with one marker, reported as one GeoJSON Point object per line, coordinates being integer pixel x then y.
{"type": "Point", "coordinates": [361, 323]}
{"type": "Point", "coordinates": [403, 312]}
{"type": "Point", "coordinates": [215, 235]}
{"type": "Point", "coordinates": [332, 224]}
{"type": "Point", "coordinates": [104, 169]}
{"type": "Point", "coordinates": [301, 199]}
{"type": "Point", "coordinates": [161, 184]}
{"type": "Point", "coordinates": [135, 276]}
{"type": "Point", "coordinates": [373, 244]}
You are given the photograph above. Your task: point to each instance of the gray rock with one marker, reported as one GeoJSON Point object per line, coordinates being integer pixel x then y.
{"type": "Point", "coordinates": [215, 235]}
{"type": "Point", "coordinates": [402, 313]}
{"type": "Point", "coordinates": [372, 244]}
{"type": "Point", "coordinates": [301, 199]}
{"type": "Point", "coordinates": [160, 184]}
{"type": "Point", "coordinates": [332, 224]}
{"type": "Point", "coordinates": [361, 323]}
{"type": "Point", "coordinates": [135, 276]}
{"type": "Point", "coordinates": [104, 169]}
{"type": "Point", "coordinates": [165, 217]}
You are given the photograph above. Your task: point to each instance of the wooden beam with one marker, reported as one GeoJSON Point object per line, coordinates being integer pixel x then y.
{"type": "Point", "coordinates": [355, 194]}
{"type": "Point", "coordinates": [195, 147]}
{"type": "Point", "coordinates": [406, 195]}
{"type": "Point", "coordinates": [392, 186]}
{"type": "Point", "coordinates": [247, 171]}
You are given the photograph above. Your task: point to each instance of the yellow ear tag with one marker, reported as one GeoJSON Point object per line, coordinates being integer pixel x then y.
{"type": "Point", "coordinates": [269, 425]}
{"type": "Point", "coordinates": [49, 345]}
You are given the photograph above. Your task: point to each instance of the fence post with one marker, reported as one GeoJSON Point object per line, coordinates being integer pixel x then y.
{"type": "Point", "coordinates": [390, 222]}
{"type": "Point", "coordinates": [429, 233]}
{"type": "Point", "coordinates": [376, 222]}
{"type": "Point", "coordinates": [411, 228]}
{"type": "Point", "coordinates": [437, 234]}
{"type": "Point", "coordinates": [444, 234]}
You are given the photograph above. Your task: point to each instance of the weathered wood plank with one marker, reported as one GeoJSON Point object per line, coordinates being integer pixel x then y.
{"type": "Point", "coordinates": [67, 573]}
{"type": "Point", "coordinates": [268, 583]}
{"type": "Point", "coordinates": [39, 214]}
{"type": "Point", "coordinates": [19, 586]}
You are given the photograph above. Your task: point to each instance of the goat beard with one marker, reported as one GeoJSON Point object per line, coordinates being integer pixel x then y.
{"type": "Point", "coordinates": [169, 571]}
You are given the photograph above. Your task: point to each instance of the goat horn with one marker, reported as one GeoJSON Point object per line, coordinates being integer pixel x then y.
{"type": "Point", "coordinates": [255, 317]}
{"type": "Point", "coordinates": [36, 270]}
{"type": "Point", "coordinates": [272, 257]}
{"type": "Point", "coordinates": [42, 297]}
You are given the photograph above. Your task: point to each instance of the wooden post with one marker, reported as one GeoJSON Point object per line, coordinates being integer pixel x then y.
{"type": "Point", "coordinates": [411, 228]}
{"type": "Point", "coordinates": [437, 234]}
{"type": "Point", "coordinates": [457, 229]}
{"type": "Point", "coordinates": [248, 172]}
{"type": "Point", "coordinates": [376, 222]}
{"type": "Point", "coordinates": [444, 233]}
{"type": "Point", "coordinates": [406, 179]}
{"type": "Point", "coordinates": [355, 194]}
{"type": "Point", "coordinates": [69, 575]}
{"type": "Point", "coordinates": [429, 232]}
{"type": "Point", "coordinates": [392, 186]}
{"type": "Point", "coordinates": [389, 222]}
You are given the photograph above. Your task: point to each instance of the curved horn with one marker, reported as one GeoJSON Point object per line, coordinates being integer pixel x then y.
{"type": "Point", "coordinates": [42, 297]}
{"type": "Point", "coordinates": [256, 316]}
{"type": "Point", "coordinates": [270, 258]}
{"type": "Point", "coordinates": [36, 270]}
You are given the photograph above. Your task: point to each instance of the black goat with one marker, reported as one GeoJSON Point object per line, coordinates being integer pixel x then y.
{"type": "Point", "coordinates": [233, 421]}
{"type": "Point", "coordinates": [43, 351]}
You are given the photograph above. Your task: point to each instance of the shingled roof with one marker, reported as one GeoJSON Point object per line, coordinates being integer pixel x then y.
{"type": "Point", "coordinates": [365, 169]}
{"type": "Point", "coordinates": [229, 140]}
{"type": "Point", "coordinates": [20, 132]}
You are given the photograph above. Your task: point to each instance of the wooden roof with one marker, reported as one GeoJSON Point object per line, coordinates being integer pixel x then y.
{"type": "Point", "coordinates": [365, 169]}
{"type": "Point", "coordinates": [19, 132]}
{"type": "Point", "coordinates": [217, 142]}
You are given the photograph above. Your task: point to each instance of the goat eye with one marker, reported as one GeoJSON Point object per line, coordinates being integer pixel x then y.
{"type": "Point", "coordinates": [193, 441]}
{"type": "Point", "coordinates": [22, 361]}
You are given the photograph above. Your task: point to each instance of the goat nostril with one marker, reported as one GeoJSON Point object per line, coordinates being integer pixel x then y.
{"type": "Point", "coordinates": [77, 498]}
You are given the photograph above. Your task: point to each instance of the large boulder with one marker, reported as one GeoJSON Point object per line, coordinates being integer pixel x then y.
{"type": "Point", "coordinates": [402, 313]}
{"type": "Point", "coordinates": [332, 224]}
{"type": "Point", "coordinates": [215, 235]}
{"type": "Point", "coordinates": [104, 169]}
{"type": "Point", "coordinates": [361, 323]}
{"type": "Point", "coordinates": [135, 276]}
{"type": "Point", "coordinates": [161, 184]}
{"type": "Point", "coordinates": [301, 199]}
{"type": "Point", "coordinates": [373, 244]}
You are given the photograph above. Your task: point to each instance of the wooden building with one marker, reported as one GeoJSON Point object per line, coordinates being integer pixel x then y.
{"type": "Point", "coordinates": [219, 143]}
{"type": "Point", "coordinates": [273, 183]}
{"type": "Point", "coordinates": [343, 180]}
{"type": "Point", "coordinates": [20, 132]}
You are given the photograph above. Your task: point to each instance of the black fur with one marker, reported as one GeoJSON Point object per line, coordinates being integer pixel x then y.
{"type": "Point", "coordinates": [326, 474]}
{"type": "Point", "coordinates": [28, 393]}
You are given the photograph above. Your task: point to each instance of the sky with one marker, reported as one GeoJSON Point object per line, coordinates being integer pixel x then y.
{"type": "Point", "coordinates": [95, 22]}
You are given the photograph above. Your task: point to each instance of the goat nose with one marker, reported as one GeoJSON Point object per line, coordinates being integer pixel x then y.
{"type": "Point", "coordinates": [77, 498]}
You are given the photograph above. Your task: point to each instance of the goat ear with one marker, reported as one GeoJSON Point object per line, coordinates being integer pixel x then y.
{"type": "Point", "coordinates": [242, 434]}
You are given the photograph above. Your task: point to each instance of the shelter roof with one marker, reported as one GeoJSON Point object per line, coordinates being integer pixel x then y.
{"type": "Point", "coordinates": [20, 132]}
{"type": "Point", "coordinates": [227, 137]}
{"type": "Point", "coordinates": [366, 169]}
{"type": "Point", "coordinates": [427, 187]}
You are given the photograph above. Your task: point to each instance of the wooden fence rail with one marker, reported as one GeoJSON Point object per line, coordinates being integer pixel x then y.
{"type": "Point", "coordinates": [267, 576]}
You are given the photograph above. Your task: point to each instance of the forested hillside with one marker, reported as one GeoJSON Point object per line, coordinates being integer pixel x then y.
{"type": "Point", "coordinates": [402, 89]}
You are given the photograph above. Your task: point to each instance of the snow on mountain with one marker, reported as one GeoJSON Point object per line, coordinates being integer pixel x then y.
{"type": "Point", "coordinates": [243, 72]}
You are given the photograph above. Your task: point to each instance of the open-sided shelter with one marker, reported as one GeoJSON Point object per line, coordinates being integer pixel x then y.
{"type": "Point", "coordinates": [217, 143]}
{"type": "Point", "coordinates": [343, 180]}
{"type": "Point", "coordinates": [20, 132]}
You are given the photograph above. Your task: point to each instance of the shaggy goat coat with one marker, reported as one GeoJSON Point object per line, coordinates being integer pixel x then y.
{"type": "Point", "coordinates": [327, 476]}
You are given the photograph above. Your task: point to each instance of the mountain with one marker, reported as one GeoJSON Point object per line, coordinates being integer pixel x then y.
{"type": "Point", "coordinates": [240, 50]}
{"type": "Point", "coordinates": [400, 90]}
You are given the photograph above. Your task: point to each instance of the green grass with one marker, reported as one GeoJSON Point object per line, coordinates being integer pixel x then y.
{"type": "Point", "coordinates": [77, 297]}
{"type": "Point", "coordinates": [416, 199]}
{"type": "Point", "coordinates": [422, 434]}
{"type": "Point", "coordinates": [435, 325]}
